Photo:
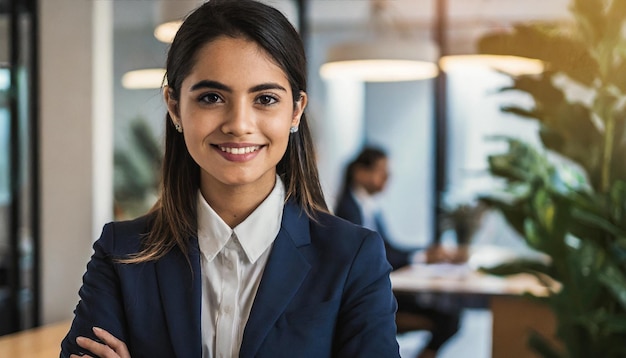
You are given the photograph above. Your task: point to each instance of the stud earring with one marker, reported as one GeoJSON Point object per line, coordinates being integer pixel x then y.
{"type": "Point", "coordinates": [293, 129]}
{"type": "Point", "coordinates": [178, 127]}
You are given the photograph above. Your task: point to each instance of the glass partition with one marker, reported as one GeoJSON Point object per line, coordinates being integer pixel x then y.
{"type": "Point", "coordinates": [18, 170]}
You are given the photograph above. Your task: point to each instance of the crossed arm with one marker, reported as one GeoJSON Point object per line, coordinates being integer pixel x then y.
{"type": "Point", "coordinates": [110, 347]}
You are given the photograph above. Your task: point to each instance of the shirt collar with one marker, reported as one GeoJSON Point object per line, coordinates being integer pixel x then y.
{"type": "Point", "coordinates": [367, 201]}
{"type": "Point", "coordinates": [255, 234]}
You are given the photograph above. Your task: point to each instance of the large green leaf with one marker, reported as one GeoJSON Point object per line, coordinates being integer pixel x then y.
{"type": "Point", "coordinates": [615, 281]}
{"type": "Point", "coordinates": [584, 262]}
{"type": "Point", "coordinates": [618, 71]}
{"type": "Point", "coordinates": [533, 267]}
{"type": "Point", "coordinates": [617, 197]}
{"type": "Point", "coordinates": [512, 211]}
{"type": "Point", "coordinates": [593, 220]}
{"type": "Point", "coordinates": [543, 346]}
{"type": "Point", "coordinates": [591, 19]}
{"type": "Point", "coordinates": [561, 51]}
{"type": "Point", "coordinates": [541, 88]}
{"type": "Point", "coordinates": [616, 324]}
{"type": "Point", "coordinates": [521, 112]}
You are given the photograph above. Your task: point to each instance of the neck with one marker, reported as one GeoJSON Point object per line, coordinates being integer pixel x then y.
{"type": "Point", "coordinates": [235, 203]}
{"type": "Point", "coordinates": [360, 189]}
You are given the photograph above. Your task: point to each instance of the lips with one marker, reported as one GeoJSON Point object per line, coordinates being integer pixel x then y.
{"type": "Point", "coordinates": [238, 152]}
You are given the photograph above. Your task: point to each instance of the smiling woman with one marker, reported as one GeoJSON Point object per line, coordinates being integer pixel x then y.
{"type": "Point", "coordinates": [236, 110]}
{"type": "Point", "coordinates": [239, 257]}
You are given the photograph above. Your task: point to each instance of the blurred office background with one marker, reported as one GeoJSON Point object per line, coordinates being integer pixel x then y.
{"type": "Point", "coordinates": [78, 147]}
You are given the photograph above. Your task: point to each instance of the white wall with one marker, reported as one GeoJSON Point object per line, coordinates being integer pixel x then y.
{"type": "Point", "coordinates": [66, 151]}
{"type": "Point", "coordinates": [399, 118]}
{"type": "Point", "coordinates": [474, 104]}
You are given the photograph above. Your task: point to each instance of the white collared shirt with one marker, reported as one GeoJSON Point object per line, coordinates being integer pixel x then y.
{"type": "Point", "coordinates": [369, 207]}
{"type": "Point", "coordinates": [232, 262]}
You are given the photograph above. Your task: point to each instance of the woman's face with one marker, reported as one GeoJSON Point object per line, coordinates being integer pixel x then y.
{"type": "Point", "coordinates": [375, 178]}
{"type": "Point", "coordinates": [236, 108]}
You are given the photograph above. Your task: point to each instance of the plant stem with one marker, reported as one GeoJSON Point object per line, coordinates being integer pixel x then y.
{"type": "Point", "coordinates": [607, 155]}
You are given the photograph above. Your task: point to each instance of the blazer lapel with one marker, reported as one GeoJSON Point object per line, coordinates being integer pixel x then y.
{"type": "Point", "coordinates": [180, 290]}
{"type": "Point", "coordinates": [285, 270]}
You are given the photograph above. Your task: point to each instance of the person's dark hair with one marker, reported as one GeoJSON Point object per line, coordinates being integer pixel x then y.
{"type": "Point", "coordinates": [175, 212]}
{"type": "Point", "coordinates": [367, 158]}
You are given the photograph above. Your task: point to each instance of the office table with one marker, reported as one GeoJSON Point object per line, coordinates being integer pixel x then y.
{"type": "Point", "coordinates": [512, 315]}
{"type": "Point", "coordinates": [462, 279]}
{"type": "Point", "coordinates": [41, 342]}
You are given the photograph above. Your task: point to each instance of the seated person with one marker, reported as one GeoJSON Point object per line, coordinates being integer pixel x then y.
{"type": "Point", "coordinates": [365, 177]}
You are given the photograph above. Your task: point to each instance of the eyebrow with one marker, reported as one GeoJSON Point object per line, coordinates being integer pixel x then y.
{"type": "Point", "coordinates": [207, 84]}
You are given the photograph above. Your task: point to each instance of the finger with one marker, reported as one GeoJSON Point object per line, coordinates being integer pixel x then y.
{"type": "Point", "coordinates": [77, 356]}
{"type": "Point", "coordinates": [110, 340]}
{"type": "Point", "coordinates": [99, 349]}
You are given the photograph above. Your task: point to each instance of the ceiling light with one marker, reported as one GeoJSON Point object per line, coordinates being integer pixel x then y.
{"type": "Point", "coordinates": [390, 54]}
{"type": "Point", "coordinates": [166, 31]}
{"type": "Point", "coordinates": [170, 17]}
{"type": "Point", "coordinates": [512, 65]}
{"type": "Point", "coordinates": [144, 79]}
{"type": "Point", "coordinates": [390, 61]}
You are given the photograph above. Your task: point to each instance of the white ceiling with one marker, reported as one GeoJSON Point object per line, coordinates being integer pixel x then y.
{"type": "Point", "coordinates": [351, 12]}
{"type": "Point", "coordinates": [466, 19]}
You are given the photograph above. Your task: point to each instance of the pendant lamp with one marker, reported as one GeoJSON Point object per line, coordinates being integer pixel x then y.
{"type": "Point", "coordinates": [512, 65]}
{"type": "Point", "coordinates": [170, 17]}
{"type": "Point", "coordinates": [499, 49]}
{"type": "Point", "coordinates": [146, 78]}
{"type": "Point", "coordinates": [171, 14]}
{"type": "Point", "coordinates": [389, 54]}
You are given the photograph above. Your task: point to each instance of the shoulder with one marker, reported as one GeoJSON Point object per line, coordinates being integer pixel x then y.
{"type": "Point", "coordinates": [124, 237]}
{"type": "Point", "coordinates": [337, 234]}
{"type": "Point", "coordinates": [347, 207]}
{"type": "Point", "coordinates": [330, 222]}
{"type": "Point", "coordinates": [344, 199]}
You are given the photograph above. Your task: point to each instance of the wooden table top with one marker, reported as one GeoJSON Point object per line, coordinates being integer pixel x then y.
{"type": "Point", "coordinates": [40, 342]}
{"type": "Point", "coordinates": [460, 279]}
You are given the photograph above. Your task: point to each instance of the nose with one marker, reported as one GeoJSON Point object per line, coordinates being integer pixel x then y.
{"type": "Point", "coordinates": [239, 119]}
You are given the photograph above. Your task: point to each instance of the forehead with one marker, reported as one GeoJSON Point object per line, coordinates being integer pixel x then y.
{"type": "Point", "coordinates": [227, 59]}
{"type": "Point", "coordinates": [380, 163]}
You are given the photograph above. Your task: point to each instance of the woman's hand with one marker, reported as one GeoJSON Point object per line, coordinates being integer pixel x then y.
{"type": "Point", "coordinates": [110, 348]}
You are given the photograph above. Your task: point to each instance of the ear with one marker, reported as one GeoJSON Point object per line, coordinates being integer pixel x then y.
{"type": "Point", "coordinates": [299, 107]}
{"type": "Point", "coordinates": [172, 104]}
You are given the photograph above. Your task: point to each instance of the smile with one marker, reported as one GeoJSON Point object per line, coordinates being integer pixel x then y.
{"type": "Point", "coordinates": [241, 150]}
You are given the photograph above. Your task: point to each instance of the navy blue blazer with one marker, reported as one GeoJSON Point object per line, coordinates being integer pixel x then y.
{"type": "Point", "coordinates": [348, 208]}
{"type": "Point", "coordinates": [325, 292]}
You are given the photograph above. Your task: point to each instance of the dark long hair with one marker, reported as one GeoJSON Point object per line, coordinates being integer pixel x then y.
{"type": "Point", "coordinates": [174, 214]}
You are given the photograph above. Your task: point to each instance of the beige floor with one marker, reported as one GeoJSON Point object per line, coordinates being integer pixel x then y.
{"type": "Point", "coordinates": [472, 341]}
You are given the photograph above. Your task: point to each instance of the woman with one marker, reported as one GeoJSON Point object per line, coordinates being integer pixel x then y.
{"type": "Point", "coordinates": [239, 257]}
{"type": "Point", "coordinates": [365, 177]}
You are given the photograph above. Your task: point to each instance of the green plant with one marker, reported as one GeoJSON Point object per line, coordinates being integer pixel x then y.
{"type": "Point", "coordinates": [136, 168]}
{"type": "Point", "coordinates": [464, 219]}
{"type": "Point", "coordinates": [569, 199]}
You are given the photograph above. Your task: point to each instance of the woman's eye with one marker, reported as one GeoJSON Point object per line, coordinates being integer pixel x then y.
{"type": "Point", "coordinates": [266, 100]}
{"type": "Point", "coordinates": [210, 98]}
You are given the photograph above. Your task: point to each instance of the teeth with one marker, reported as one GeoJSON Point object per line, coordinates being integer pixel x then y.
{"type": "Point", "coordinates": [243, 150]}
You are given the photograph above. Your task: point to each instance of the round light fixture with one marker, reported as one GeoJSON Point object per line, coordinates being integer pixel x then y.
{"type": "Point", "coordinates": [512, 65]}
{"type": "Point", "coordinates": [166, 31]}
{"type": "Point", "coordinates": [386, 60]}
{"type": "Point", "coordinates": [144, 79]}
